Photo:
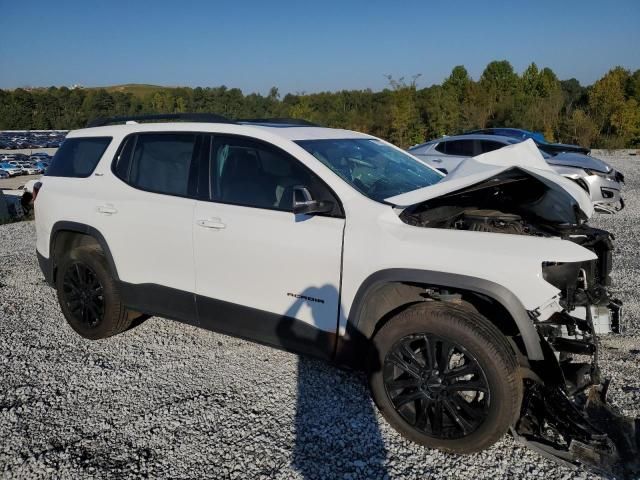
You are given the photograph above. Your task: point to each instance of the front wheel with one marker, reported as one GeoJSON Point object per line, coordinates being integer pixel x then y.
{"type": "Point", "coordinates": [448, 378]}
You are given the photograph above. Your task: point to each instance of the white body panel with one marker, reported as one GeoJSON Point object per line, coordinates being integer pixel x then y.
{"type": "Point", "coordinates": [149, 235]}
{"type": "Point", "coordinates": [265, 259]}
{"type": "Point", "coordinates": [66, 199]}
{"type": "Point", "coordinates": [514, 261]}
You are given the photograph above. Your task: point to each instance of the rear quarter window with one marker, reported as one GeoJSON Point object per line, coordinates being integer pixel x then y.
{"type": "Point", "coordinates": [78, 157]}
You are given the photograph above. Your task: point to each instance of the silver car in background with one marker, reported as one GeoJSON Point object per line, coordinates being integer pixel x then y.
{"type": "Point", "coordinates": [601, 181]}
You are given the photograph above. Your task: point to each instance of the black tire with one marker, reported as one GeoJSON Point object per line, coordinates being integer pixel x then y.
{"type": "Point", "coordinates": [84, 273]}
{"type": "Point", "coordinates": [413, 399]}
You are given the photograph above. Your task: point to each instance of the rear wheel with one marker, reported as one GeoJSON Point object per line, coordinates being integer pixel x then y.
{"type": "Point", "coordinates": [89, 296]}
{"type": "Point", "coordinates": [448, 378]}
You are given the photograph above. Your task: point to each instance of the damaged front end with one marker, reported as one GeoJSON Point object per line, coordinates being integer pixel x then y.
{"type": "Point", "coordinates": [565, 414]}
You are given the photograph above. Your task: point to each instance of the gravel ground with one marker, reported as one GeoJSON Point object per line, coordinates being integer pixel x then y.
{"type": "Point", "coordinates": [170, 400]}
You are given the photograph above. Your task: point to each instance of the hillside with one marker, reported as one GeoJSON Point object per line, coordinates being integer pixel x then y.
{"type": "Point", "coordinates": [139, 90]}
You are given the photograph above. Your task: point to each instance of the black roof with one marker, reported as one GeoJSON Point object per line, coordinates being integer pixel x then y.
{"type": "Point", "coordinates": [202, 117]}
{"type": "Point", "coordinates": [189, 117]}
{"type": "Point", "coordinates": [278, 122]}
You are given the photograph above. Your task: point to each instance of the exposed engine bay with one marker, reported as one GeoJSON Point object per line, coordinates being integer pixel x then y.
{"type": "Point", "coordinates": [564, 415]}
{"type": "Point", "coordinates": [512, 202]}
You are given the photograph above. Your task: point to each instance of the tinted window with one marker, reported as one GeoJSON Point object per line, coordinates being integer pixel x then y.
{"type": "Point", "coordinates": [161, 163]}
{"type": "Point", "coordinates": [254, 174]}
{"type": "Point", "coordinates": [489, 146]}
{"type": "Point", "coordinates": [78, 157]}
{"type": "Point", "coordinates": [461, 148]}
{"type": "Point", "coordinates": [442, 147]}
{"type": "Point", "coordinates": [123, 158]}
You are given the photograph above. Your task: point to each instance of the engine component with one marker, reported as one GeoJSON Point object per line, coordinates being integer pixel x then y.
{"type": "Point", "coordinates": [492, 221]}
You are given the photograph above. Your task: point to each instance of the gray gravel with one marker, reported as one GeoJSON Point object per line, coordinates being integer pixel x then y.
{"type": "Point", "coordinates": [170, 400]}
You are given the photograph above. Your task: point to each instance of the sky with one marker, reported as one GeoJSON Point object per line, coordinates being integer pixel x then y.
{"type": "Point", "coordinates": [306, 46]}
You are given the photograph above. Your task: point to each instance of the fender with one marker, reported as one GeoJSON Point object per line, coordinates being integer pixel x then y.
{"type": "Point", "coordinates": [360, 329]}
{"type": "Point", "coordinates": [78, 228]}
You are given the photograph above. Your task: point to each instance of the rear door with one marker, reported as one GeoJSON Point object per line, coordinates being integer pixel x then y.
{"type": "Point", "coordinates": [146, 216]}
{"type": "Point", "coordinates": [263, 272]}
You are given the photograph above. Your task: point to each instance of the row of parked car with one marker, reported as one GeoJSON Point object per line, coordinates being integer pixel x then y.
{"type": "Point", "coordinates": [14, 164]}
{"type": "Point", "coordinates": [600, 180]}
{"type": "Point", "coordinates": [13, 140]}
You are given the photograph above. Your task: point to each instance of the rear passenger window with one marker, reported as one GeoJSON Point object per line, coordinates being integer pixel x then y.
{"type": "Point", "coordinates": [78, 157]}
{"type": "Point", "coordinates": [461, 148]}
{"type": "Point", "coordinates": [159, 163]}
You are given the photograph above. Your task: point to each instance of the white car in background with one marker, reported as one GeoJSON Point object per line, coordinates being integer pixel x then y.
{"type": "Point", "coordinates": [30, 169]}
{"type": "Point", "coordinates": [599, 179]}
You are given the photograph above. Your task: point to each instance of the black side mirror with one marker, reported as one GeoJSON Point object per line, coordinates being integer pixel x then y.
{"type": "Point", "coordinates": [304, 204]}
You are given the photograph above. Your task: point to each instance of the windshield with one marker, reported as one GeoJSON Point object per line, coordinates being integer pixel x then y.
{"type": "Point", "coordinates": [372, 167]}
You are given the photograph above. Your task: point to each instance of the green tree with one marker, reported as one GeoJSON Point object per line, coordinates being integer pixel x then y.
{"type": "Point", "coordinates": [605, 114]}
{"type": "Point", "coordinates": [606, 97]}
{"type": "Point", "coordinates": [580, 128]}
{"type": "Point", "coordinates": [406, 126]}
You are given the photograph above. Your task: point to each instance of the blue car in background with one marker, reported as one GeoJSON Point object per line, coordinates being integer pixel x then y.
{"type": "Point", "coordinates": [541, 142]}
{"type": "Point", "coordinates": [42, 166]}
{"type": "Point", "coordinates": [11, 169]}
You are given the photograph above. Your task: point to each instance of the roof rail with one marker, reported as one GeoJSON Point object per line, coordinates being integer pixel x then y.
{"type": "Point", "coordinates": [279, 121]}
{"type": "Point", "coordinates": [191, 117]}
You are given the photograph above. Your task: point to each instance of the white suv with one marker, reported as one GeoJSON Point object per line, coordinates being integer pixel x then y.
{"type": "Point", "coordinates": [462, 298]}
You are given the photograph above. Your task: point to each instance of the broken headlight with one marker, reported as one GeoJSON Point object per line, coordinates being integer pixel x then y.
{"type": "Point", "coordinates": [562, 275]}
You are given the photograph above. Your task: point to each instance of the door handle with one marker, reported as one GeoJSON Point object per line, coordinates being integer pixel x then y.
{"type": "Point", "coordinates": [107, 209]}
{"type": "Point", "coordinates": [437, 160]}
{"type": "Point", "coordinates": [211, 223]}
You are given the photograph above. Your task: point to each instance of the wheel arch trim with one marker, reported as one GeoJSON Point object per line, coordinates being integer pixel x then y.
{"type": "Point", "coordinates": [359, 327]}
{"type": "Point", "coordinates": [75, 227]}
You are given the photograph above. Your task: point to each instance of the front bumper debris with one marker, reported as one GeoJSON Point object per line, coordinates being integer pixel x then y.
{"type": "Point", "coordinates": [565, 415]}
{"type": "Point", "coordinates": [607, 207]}
{"type": "Point", "coordinates": [584, 431]}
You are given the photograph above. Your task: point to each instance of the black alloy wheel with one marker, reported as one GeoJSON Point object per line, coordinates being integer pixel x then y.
{"type": "Point", "coordinates": [83, 294]}
{"type": "Point", "coordinates": [445, 377]}
{"type": "Point", "coordinates": [436, 386]}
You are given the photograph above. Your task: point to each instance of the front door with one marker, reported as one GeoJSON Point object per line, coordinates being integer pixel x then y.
{"type": "Point", "coordinates": [263, 272]}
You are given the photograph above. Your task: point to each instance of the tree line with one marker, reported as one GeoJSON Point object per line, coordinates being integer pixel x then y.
{"type": "Point", "coordinates": [605, 114]}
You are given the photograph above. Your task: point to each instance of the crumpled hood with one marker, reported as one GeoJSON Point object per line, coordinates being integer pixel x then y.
{"type": "Point", "coordinates": [579, 160]}
{"type": "Point", "coordinates": [524, 156]}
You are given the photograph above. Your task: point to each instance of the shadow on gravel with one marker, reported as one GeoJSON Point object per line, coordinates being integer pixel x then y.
{"type": "Point", "coordinates": [336, 428]}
